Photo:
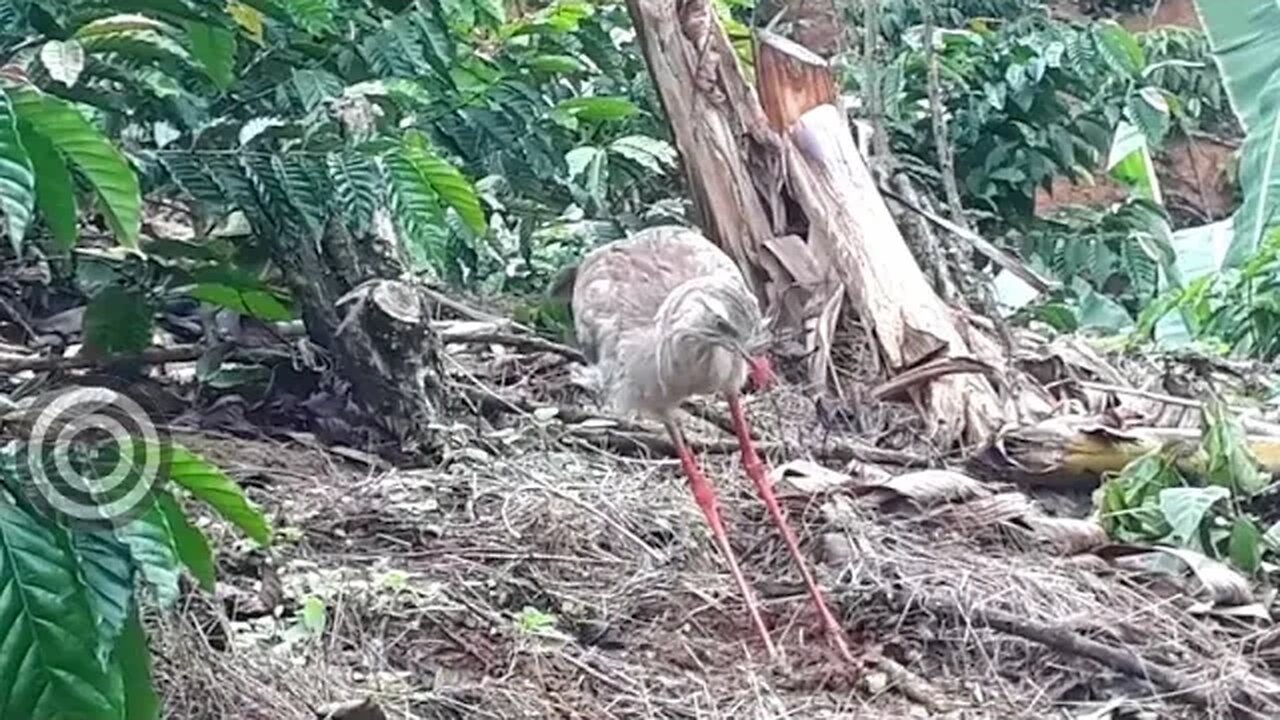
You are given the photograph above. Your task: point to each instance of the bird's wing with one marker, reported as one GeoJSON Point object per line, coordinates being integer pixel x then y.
{"type": "Point", "coordinates": [619, 287]}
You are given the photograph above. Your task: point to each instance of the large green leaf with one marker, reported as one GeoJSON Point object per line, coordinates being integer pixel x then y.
{"type": "Point", "coordinates": [17, 178]}
{"type": "Point", "coordinates": [191, 544]}
{"type": "Point", "coordinates": [106, 568]}
{"type": "Point", "coordinates": [49, 667]}
{"type": "Point", "coordinates": [445, 180]}
{"type": "Point", "coordinates": [133, 657]}
{"type": "Point", "coordinates": [206, 482]}
{"type": "Point", "coordinates": [215, 49]}
{"type": "Point", "coordinates": [1185, 509]}
{"type": "Point", "coordinates": [100, 162]}
{"type": "Point", "coordinates": [55, 189]}
{"type": "Point", "coordinates": [1242, 37]}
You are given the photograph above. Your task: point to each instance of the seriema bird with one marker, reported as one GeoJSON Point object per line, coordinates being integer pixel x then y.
{"type": "Point", "coordinates": [664, 315]}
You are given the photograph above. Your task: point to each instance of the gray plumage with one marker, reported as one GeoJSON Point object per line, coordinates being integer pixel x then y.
{"type": "Point", "coordinates": [663, 315]}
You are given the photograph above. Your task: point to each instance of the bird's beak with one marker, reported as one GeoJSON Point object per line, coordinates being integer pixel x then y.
{"type": "Point", "coordinates": [759, 370]}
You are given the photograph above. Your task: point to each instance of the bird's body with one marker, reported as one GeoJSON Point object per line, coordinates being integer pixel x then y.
{"type": "Point", "coordinates": [647, 311]}
{"type": "Point", "coordinates": [665, 314]}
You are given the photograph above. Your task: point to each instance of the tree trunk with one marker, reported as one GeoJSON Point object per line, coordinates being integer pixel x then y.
{"type": "Point", "coordinates": [376, 328]}
{"type": "Point", "coordinates": [739, 157]}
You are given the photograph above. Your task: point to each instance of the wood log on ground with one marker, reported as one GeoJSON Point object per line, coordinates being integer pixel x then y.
{"type": "Point", "coordinates": [739, 155]}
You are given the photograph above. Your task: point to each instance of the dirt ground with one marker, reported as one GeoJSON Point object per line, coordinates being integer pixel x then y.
{"type": "Point", "coordinates": [531, 574]}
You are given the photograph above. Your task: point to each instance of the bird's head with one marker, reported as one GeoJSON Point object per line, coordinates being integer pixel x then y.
{"type": "Point", "coordinates": [722, 313]}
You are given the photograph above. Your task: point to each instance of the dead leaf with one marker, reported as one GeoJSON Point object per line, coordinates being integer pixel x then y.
{"type": "Point", "coordinates": [1218, 583]}
{"type": "Point", "coordinates": [928, 487]}
{"type": "Point", "coordinates": [804, 478]}
{"type": "Point", "coordinates": [987, 511]}
{"type": "Point", "coordinates": [1068, 536]}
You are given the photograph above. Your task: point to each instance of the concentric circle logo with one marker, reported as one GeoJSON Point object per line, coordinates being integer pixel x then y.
{"type": "Point", "coordinates": [93, 455]}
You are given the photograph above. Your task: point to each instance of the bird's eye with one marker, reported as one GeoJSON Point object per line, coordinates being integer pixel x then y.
{"type": "Point", "coordinates": [723, 327]}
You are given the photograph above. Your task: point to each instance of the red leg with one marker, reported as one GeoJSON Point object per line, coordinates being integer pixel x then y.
{"type": "Point", "coordinates": [705, 496]}
{"type": "Point", "coordinates": [755, 470]}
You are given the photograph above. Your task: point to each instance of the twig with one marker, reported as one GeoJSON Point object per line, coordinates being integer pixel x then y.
{"type": "Point", "coordinates": [150, 356]}
{"type": "Point", "coordinates": [519, 342]}
{"type": "Point", "coordinates": [979, 243]}
{"type": "Point", "coordinates": [1255, 424]}
{"type": "Point", "coordinates": [1176, 683]}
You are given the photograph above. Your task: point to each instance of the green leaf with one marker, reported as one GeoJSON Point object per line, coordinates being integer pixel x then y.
{"type": "Point", "coordinates": [580, 158]}
{"type": "Point", "coordinates": [1185, 509]}
{"type": "Point", "coordinates": [599, 108]}
{"type": "Point", "coordinates": [314, 16]}
{"type": "Point", "coordinates": [63, 60]}
{"type": "Point", "coordinates": [1245, 545]}
{"type": "Point", "coordinates": [191, 544]}
{"type": "Point", "coordinates": [653, 154]}
{"type": "Point", "coordinates": [1120, 48]}
{"type": "Point", "coordinates": [425, 233]}
{"type": "Point", "coordinates": [100, 162]}
{"type": "Point", "coordinates": [123, 22]}
{"type": "Point", "coordinates": [1231, 462]}
{"type": "Point", "coordinates": [106, 568]}
{"type": "Point", "coordinates": [49, 667]}
{"type": "Point", "coordinates": [355, 186]}
{"type": "Point", "coordinates": [445, 180]}
{"type": "Point", "coordinates": [206, 482]}
{"type": "Point", "coordinates": [315, 86]}
{"type": "Point", "coordinates": [1129, 161]}
{"type": "Point", "coordinates": [155, 553]}
{"type": "Point", "coordinates": [118, 321]}
{"type": "Point", "coordinates": [555, 64]}
{"type": "Point", "coordinates": [55, 189]}
{"type": "Point", "coordinates": [133, 657]}
{"type": "Point", "coordinates": [493, 10]}
{"type": "Point", "coordinates": [215, 49]}
{"type": "Point", "coordinates": [17, 179]}
{"type": "Point", "coordinates": [1241, 35]}
{"type": "Point", "coordinates": [253, 302]}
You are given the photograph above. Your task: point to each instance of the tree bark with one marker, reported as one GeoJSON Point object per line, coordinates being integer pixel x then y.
{"type": "Point", "coordinates": [740, 154]}
{"type": "Point", "coordinates": [376, 327]}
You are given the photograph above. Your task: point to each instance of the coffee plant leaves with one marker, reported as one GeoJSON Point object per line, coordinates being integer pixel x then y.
{"type": "Point", "coordinates": [133, 658]}
{"type": "Point", "coordinates": [55, 188]}
{"type": "Point", "coordinates": [45, 670]}
{"type": "Point", "coordinates": [215, 49]}
{"type": "Point", "coordinates": [17, 177]}
{"type": "Point", "coordinates": [101, 163]}
{"type": "Point", "coordinates": [150, 540]}
{"type": "Point", "coordinates": [598, 108]}
{"type": "Point", "coordinates": [211, 486]}
{"type": "Point", "coordinates": [106, 569]}
{"type": "Point", "coordinates": [1231, 463]}
{"type": "Point", "coordinates": [189, 542]}
{"type": "Point", "coordinates": [445, 180]}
